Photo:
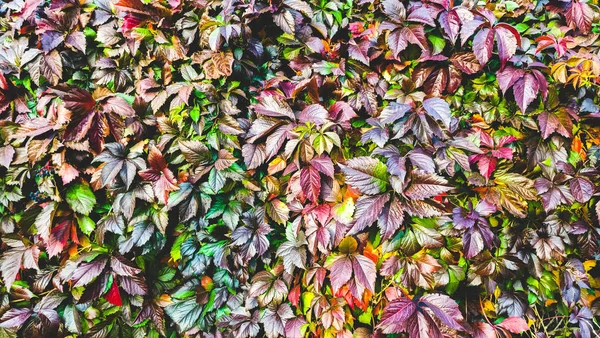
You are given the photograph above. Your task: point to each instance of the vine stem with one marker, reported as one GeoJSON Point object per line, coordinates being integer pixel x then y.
{"type": "Point", "coordinates": [541, 320]}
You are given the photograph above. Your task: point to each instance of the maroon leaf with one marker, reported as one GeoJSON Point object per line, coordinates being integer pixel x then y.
{"type": "Point", "coordinates": [559, 121]}
{"type": "Point", "coordinates": [515, 325]}
{"type": "Point", "coordinates": [310, 181]}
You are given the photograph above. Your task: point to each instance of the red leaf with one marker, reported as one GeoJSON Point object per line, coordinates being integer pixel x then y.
{"type": "Point", "coordinates": [58, 238]}
{"type": "Point", "coordinates": [515, 325]}
{"type": "Point", "coordinates": [580, 16]}
{"type": "Point", "coordinates": [113, 295]}
{"type": "Point", "coordinates": [294, 295]}
{"type": "Point", "coordinates": [310, 181]}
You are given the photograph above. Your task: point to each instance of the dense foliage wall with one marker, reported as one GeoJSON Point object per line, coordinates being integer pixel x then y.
{"type": "Point", "coordinates": [299, 168]}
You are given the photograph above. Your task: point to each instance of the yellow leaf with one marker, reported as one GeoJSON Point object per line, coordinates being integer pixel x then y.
{"type": "Point", "coordinates": [489, 309]}
{"type": "Point", "coordinates": [276, 165]}
{"type": "Point", "coordinates": [588, 265]}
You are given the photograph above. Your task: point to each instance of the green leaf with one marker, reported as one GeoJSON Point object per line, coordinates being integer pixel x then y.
{"type": "Point", "coordinates": [81, 198]}
{"type": "Point", "coordinates": [86, 224]}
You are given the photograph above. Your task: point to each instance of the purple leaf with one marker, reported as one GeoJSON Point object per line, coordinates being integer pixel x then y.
{"type": "Point", "coordinates": [390, 219]}
{"type": "Point", "coordinates": [368, 210]}
{"type": "Point", "coordinates": [582, 189]}
{"type": "Point", "coordinates": [293, 327]}
{"type": "Point", "coordinates": [365, 273]}
{"type": "Point", "coordinates": [395, 316]}
{"type": "Point", "coordinates": [525, 91]}
{"type": "Point", "coordinates": [314, 113]}
{"type": "Point", "coordinates": [340, 271]}
{"type": "Point", "coordinates": [424, 185]}
{"type": "Point", "coordinates": [15, 318]}
{"type": "Point", "coordinates": [438, 109]}
{"type": "Point", "coordinates": [444, 308]}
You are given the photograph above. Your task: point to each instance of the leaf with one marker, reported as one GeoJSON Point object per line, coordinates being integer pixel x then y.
{"type": "Point", "coordinates": [315, 113]}
{"type": "Point", "coordinates": [81, 198]}
{"type": "Point", "coordinates": [525, 90]}
{"type": "Point", "coordinates": [467, 62]}
{"type": "Point", "coordinates": [396, 315]}
{"type": "Point", "coordinates": [390, 219]}
{"type": "Point", "coordinates": [438, 109]}
{"type": "Point", "coordinates": [423, 185]}
{"type": "Point", "coordinates": [405, 315]}
{"type": "Point", "coordinates": [273, 106]}
{"type": "Point", "coordinates": [515, 325]}
{"type": "Point", "coordinates": [113, 296]}
{"type": "Point", "coordinates": [340, 271]}
{"type": "Point", "coordinates": [367, 174]}
{"type": "Point", "coordinates": [15, 318]}
{"type": "Point", "coordinates": [295, 328]}
{"type": "Point", "coordinates": [86, 272]}
{"type": "Point", "coordinates": [195, 152]}
{"type": "Point", "coordinates": [582, 189]}
{"type": "Point", "coordinates": [292, 250]}
{"type": "Point", "coordinates": [365, 273]}
{"type": "Point", "coordinates": [508, 39]}
{"type": "Point", "coordinates": [310, 181]}
{"type": "Point", "coordinates": [559, 122]}
{"type": "Point", "coordinates": [224, 160]}
{"type": "Point", "coordinates": [368, 210]}
{"type": "Point", "coordinates": [6, 155]}
{"type": "Point", "coordinates": [162, 178]}
{"type": "Point", "coordinates": [483, 44]}
{"type": "Point", "coordinates": [580, 15]}
{"type": "Point", "coordinates": [184, 313]}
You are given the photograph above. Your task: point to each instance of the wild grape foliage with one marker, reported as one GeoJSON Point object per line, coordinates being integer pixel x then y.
{"type": "Point", "coordinates": [299, 168]}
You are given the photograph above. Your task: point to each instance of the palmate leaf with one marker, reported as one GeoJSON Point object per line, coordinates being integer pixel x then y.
{"type": "Point", "coordinates": [162, 178]}
{"type": "Point", "coordinates": [343, 267]}
{"type": "Point", "coordinates": [416, 316]}
{"type": "Point", "coordinates": [118, 163]}
{"type": "Point", "coordinates": [94, 118]}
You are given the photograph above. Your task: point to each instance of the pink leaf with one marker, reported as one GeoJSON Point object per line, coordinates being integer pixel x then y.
{"type": "Point", "coordinates": [515, 325]}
